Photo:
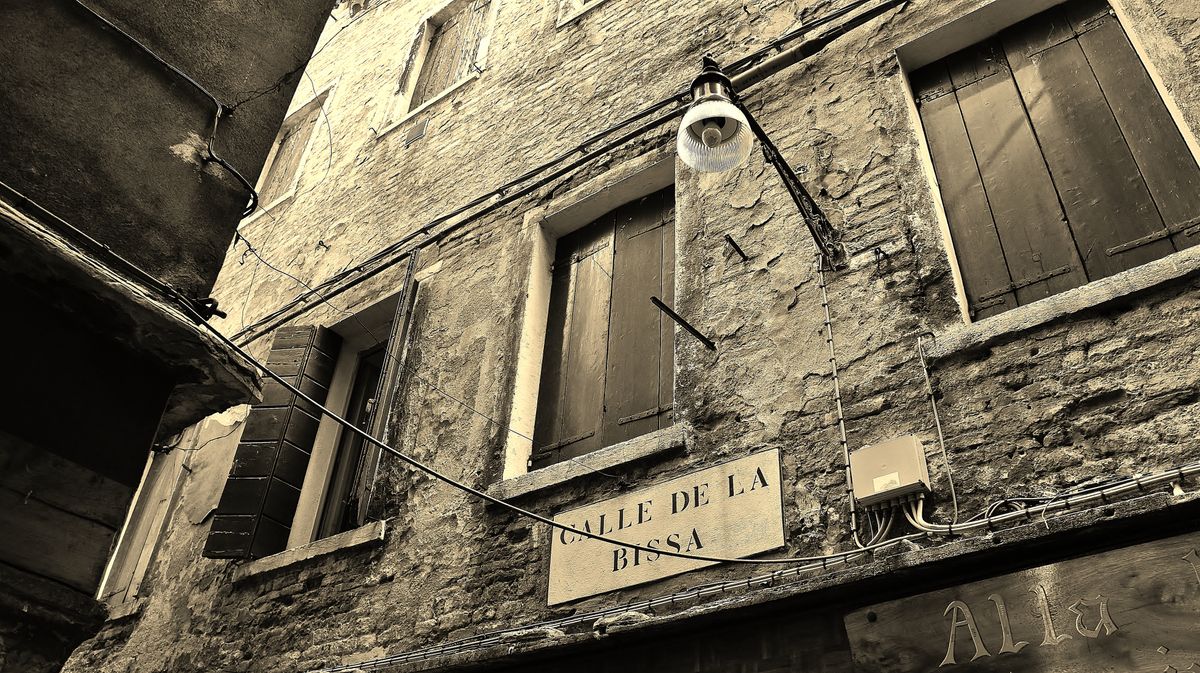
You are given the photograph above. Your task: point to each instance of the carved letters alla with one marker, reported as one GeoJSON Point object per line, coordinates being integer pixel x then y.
{"type": "Point", "coordinates": [963, 617]}
{"type": "Point", "coordinates": [1135, 609]}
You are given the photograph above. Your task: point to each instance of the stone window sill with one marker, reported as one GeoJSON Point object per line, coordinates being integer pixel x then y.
{"type": "Point", "coordinates": [574, 15]}
{"type": "Point", "coordinates": [654, 443]}
{"type": "Point", "coordinates": [1010, 324]}
{"type": "Point", "coordinates": [427, 104]}
{"type": "Point", "coordinates": [369, 535]}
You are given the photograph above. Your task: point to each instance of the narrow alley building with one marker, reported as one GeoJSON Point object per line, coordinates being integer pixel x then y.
{"type": "Point", "coordinates": [943, 414]}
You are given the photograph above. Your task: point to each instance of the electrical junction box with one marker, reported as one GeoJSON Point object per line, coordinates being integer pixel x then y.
{"type": "Point", "coordinates": [889, 471]}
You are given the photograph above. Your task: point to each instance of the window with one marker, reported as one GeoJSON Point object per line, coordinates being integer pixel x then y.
{"type": "Point", "coordinates": [569, 10]}
{"type": "Point", "coordinates": [1057, 160]}
{"type": "Point", "coordinates": [449, 50]}
{"type": "Point", "coordinates": [298, 476]}
{"type": "Point", "coordinates": [282, 170]}
{"type": "Point", "coordinates": [607, 368]}
{"type": "Point", "coordinates": [341, 509]}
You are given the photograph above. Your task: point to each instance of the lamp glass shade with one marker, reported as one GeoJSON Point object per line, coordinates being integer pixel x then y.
{"type": "Point", "coordinates": [714, 137]}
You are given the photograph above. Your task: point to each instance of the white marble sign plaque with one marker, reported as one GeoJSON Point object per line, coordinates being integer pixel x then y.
{"type": "Point", "coordinates": [732, 510]}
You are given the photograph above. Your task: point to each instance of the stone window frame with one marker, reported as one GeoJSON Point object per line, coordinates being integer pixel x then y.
{"type": "Point", "coordinates": [542, 228]}
{"type": "Point", "coordinates": [321, 96]}
{"type": "Point", "coordinates": [970, 28]}
{"type": "Point", "coordinates": [398, 109]}
{"type": "Point", "coordinates": [568, 12]}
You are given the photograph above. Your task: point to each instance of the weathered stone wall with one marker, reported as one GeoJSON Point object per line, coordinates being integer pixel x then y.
{"type": "Point", "coordinates": [110, 140]}
{"type": "Point", "coordinates": [1108, 391]}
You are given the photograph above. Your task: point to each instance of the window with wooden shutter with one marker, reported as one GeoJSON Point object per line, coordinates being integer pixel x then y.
{"type": "Point", "coordinates": [256, 509]}
{"type": "Point", "coordinates": [284, 165]}
{"type": "Point", "coordinates": [607, 368]}
{"type": "Point", "coordinates": [1057, 160]}
{"type": "Point", "coordinates": [451, 52]}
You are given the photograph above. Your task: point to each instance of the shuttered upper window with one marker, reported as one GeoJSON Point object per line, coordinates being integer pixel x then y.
{"type": "Point", "coordinates": [1057, 159]}
{"type": "Point", "coordinates": [607, 366]}
{"type": "Point", "coordinates": [271, 500]}
{"type": "Point", "coordinates": [283, 166]}
{"type": "Point", "coordinates": [452, 44]}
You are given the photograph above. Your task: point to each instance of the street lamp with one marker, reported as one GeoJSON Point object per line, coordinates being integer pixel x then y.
{"type": "Point", "coordinates": [717, 134]}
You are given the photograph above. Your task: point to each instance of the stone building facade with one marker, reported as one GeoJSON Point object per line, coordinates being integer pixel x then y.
{"type": "Point", "coordinates": [1043, 389]}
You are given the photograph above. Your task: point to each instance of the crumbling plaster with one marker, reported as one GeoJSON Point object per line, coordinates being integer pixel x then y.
{"type": "Point", "coordinates": [1110, 391]}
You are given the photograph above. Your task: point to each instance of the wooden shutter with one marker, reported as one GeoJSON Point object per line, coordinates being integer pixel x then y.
{"type": "Point", "coordinates": [391, 386]}
{"type": "Point", "coordinates": [571, 396]}
{"type": "Point", "coordinates": [255, 513]}
{"type": "Point", "coordinates": [292, 140]}
{"type": "Point", "coordinates": [451, 53]}
{"type": "Point", "coordinates": [608, 365]}
{"type": "Point", "coordinates": [1056, 158]}
{"type": "Point", "coordinates": [637, 398]}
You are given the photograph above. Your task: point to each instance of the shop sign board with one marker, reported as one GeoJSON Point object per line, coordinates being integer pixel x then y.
{"type": "Point", "coordinates": [1132, 610]}
{"type": "Point", "coordinates": [732, 510]}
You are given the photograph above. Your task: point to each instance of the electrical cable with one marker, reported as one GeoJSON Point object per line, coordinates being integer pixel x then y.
{"type": "Point", "coordinates": [481, 495]}
{"type": "Point", "coordinates": [837, 398]}
{"type": "Point", "coordinates": [1100, 494]}
{"type": "Point", "coordinates": [1126, 486]}
{"type": "Point", "coordinates": [937, 421]}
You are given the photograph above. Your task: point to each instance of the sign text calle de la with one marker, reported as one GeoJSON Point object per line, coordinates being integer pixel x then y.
{"type": "Point", "coordinates": [730, 511]}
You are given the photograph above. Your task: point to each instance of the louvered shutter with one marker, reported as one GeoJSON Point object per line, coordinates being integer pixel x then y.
{"type": "Point", "coordinates": [255, 512]}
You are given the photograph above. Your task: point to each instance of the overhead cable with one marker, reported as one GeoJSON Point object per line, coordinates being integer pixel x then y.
{"type": "Point", "coordinates": [221, 110]}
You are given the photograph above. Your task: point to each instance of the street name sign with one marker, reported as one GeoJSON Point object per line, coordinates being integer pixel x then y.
{"type": "Point", "coordinates": [731, 510]}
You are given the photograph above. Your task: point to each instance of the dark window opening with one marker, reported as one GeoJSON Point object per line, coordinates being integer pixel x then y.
{"type": "Point", "coordinates": [607, 368]}
{"type": "Point", "coordinates": [341, 509]}
{"type": "Point", "coordinates": [1057, 160]}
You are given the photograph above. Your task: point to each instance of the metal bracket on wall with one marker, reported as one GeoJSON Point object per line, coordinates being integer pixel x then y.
{"type": "Point", "coordinates": [547, 450]}
{"type": "Point", "coordinates": [736, 248]}
{"type": "Point", "coordinates": [708, 343]}
{"type": "Point", "coordinates": [645, 414]}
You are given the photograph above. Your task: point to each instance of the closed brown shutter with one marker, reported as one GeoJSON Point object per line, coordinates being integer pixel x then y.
{"type": "Point", "coordinates": [1057, 160]}
{"type": "Point", "coordinates": [607, 368]}
{"type": "Point", "coordinates": [255, 513]}
{"type": "Point", "coordinates": [571, 398]}
{"type": "Point", "coordinates": [637, 399]}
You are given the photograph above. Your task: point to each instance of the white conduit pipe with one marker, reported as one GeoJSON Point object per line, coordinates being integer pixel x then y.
{"type": "Point", "coordinates": [915, 513]}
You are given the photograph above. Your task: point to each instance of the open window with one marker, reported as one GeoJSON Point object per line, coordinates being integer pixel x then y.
{"type": "Point", "coordinates": [1056, 158]}
{"type": "Point", "coordinates": [297, 475]}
